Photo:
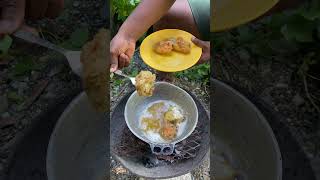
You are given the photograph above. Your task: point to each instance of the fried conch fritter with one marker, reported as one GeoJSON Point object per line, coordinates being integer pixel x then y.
{"type": "Point", "coordinates": [168, 131]}
{"type": "Point", "coordinates": [94, 59]}
{"type": "Point", "coordinates": [173, 116]}
{"type": "Point", "coordinates": [164, 47]}
{"type": "Point", "coordinates": [180, 45]}
{"type": "Point", "coordinates": [173, 44]}
{"type": "Point", "coordinates": [145, 83]}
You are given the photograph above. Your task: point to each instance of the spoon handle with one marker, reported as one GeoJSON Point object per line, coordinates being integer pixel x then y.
{"type": "Point", "coordinates": [27, 36]}
{"type": "Point", "coordinates": [120, 73]}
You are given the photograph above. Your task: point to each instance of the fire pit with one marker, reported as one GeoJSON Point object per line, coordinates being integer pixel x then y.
{"type": "Point", "coordinates": [136, 156]}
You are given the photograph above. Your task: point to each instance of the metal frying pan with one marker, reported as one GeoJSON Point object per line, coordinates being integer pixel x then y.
{"type": "Point", "coordinates": [227, 14]}
{"type": "Point", "coordinates": [78, 146]}
{"type": "Point", "coordinates": [163, 91]}
{"type": "Point", "coordinates": [243, 138]}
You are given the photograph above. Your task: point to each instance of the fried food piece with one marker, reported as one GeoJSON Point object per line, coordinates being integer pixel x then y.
{"type": "Point", "coordinates": [173, 116]}
{"type": "Point", "coordinates": [152, 124]}
{"type": "Point", "coordinates": [163, 47]}
{"type": "Point", "coordinates": [180, 45]}
{"type": "Point", "coordinates": [94, 58]}
{"type": "Point", "coordinates": [168, 131]}
{"type": "Point", "coordinates": [145, 83]}
{"type": "Point", "coordinates": [156, 108]}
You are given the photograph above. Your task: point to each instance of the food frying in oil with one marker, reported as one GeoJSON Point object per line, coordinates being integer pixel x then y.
{"type": "Point", "coordinates": [173, 115]}
{"type": "Point", "coordinates": [156, 109]}
{"type": "Point", "coordinates": [168, 131]}
{"type": "Point", "coordinates": [152, 124]}
{"type": "Point", "coordinates": [163, 119]}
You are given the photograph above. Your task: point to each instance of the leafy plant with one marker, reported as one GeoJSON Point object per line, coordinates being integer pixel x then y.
{"type": "Point", "coordinates": [123, 8]}
{"type": "Point", "coordinates": [199, 73]}
{"type": "Point", "coordinates": [24, 66]}
{"type": "Point", "coordinates": [5, 44]}
{"type": "Point", "coordinates": [77, 39]}
{"type": "Point", "coordinates": [287, 34]}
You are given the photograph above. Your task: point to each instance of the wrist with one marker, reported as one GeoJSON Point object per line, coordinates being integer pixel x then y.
{"type": "Point", "coordinates": [127, 35]}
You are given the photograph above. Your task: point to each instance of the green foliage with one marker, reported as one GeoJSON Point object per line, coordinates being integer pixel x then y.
{"type": "Point", "coordinates": [118, 82]}
{"type": "Point", "coordinates": [24, 66]}
{"type": "Point", "coordinates": [123, 8]}
{"type": "Point", "coordinates": [77, 39]}
{"type": "Point", "coordinates": [5, 44]}
{"type": "Point", "coordinates": [289, 35]}
{"type": "Point", "coordinates": [134, 73]}
{"type": "Point", "coordinates": [199, 73]}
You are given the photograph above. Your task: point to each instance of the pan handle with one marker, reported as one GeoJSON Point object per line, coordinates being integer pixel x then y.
{"type": "Point", "coordinates": [162, 149]}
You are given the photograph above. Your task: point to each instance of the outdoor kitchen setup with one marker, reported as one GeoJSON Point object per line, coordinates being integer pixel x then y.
{"type": "Point", "coordinates": [136, 155]}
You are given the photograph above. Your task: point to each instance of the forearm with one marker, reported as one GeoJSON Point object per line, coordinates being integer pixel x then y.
{"type": "Point", "coordinates": [143, 17]}
{"type": "Point", "coordinates": [14, 10]}
{"type": "Point", "coordinates": [12, 15]}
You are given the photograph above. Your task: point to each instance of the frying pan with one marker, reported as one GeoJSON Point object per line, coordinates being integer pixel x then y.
{"type": "Point", "coordinates": [78, 145]}
{"type": "Point", "coordinates": [163, 91]}
{"type": "Point", "coordinates": [242, 133]}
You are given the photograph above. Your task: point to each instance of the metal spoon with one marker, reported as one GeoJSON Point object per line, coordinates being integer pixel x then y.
{"type": "Point", "coordinates": [120, 73]}
{"type": "Point", "coordinates": [73, 57]}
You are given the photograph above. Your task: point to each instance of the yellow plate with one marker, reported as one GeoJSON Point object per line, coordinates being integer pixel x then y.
{"type": "Point", "coordinates": [174, 61]}
{"type": "Point", "coordinates": [227, 14]}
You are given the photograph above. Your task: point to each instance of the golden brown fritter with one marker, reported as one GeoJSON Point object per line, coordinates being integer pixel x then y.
{"type": "Point", "coordinates": [168, 131]}
{"type": "Point", "coordinates": [156, 108]}
{"type": "Point", "coordinates": [94, 57]}
{"type": "Point", "coordinates": [163, 47]}
{"type": "Point", "coordinates": [152, 124]}
{"type": "Point", "coordinates": [180, 45]}
{"type": "Point", "coordinates": [173, 116]}
{"type": "Point", "coordinates": [145, 83]}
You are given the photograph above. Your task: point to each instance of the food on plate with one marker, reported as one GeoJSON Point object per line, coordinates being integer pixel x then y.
{"type": "Point", "coordinates": [180, 45]}
{"type": "Point", "coordinates": [173, 44]}
{"type": "Point", "coordinates": [145, 83]}
{"type": "Point", "coordinates": [94, 62]}
{"type": "Point", "coordinates": [162, 120]}
{"type": "Point", "coordinates": [163, 47]}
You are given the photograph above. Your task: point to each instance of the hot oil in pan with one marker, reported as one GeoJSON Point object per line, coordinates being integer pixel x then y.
{"type": "Point", "coordinates": [152, 119]}
{"type": "Point", "coordinates": [225, 163]}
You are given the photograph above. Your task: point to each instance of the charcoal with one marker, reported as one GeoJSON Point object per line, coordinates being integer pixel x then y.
{"type": "Point", "coordinates": [150, 161]}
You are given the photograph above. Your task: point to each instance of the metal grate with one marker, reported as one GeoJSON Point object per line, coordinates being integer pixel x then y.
{"type": "Point", "coordinates": [132, 147]}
